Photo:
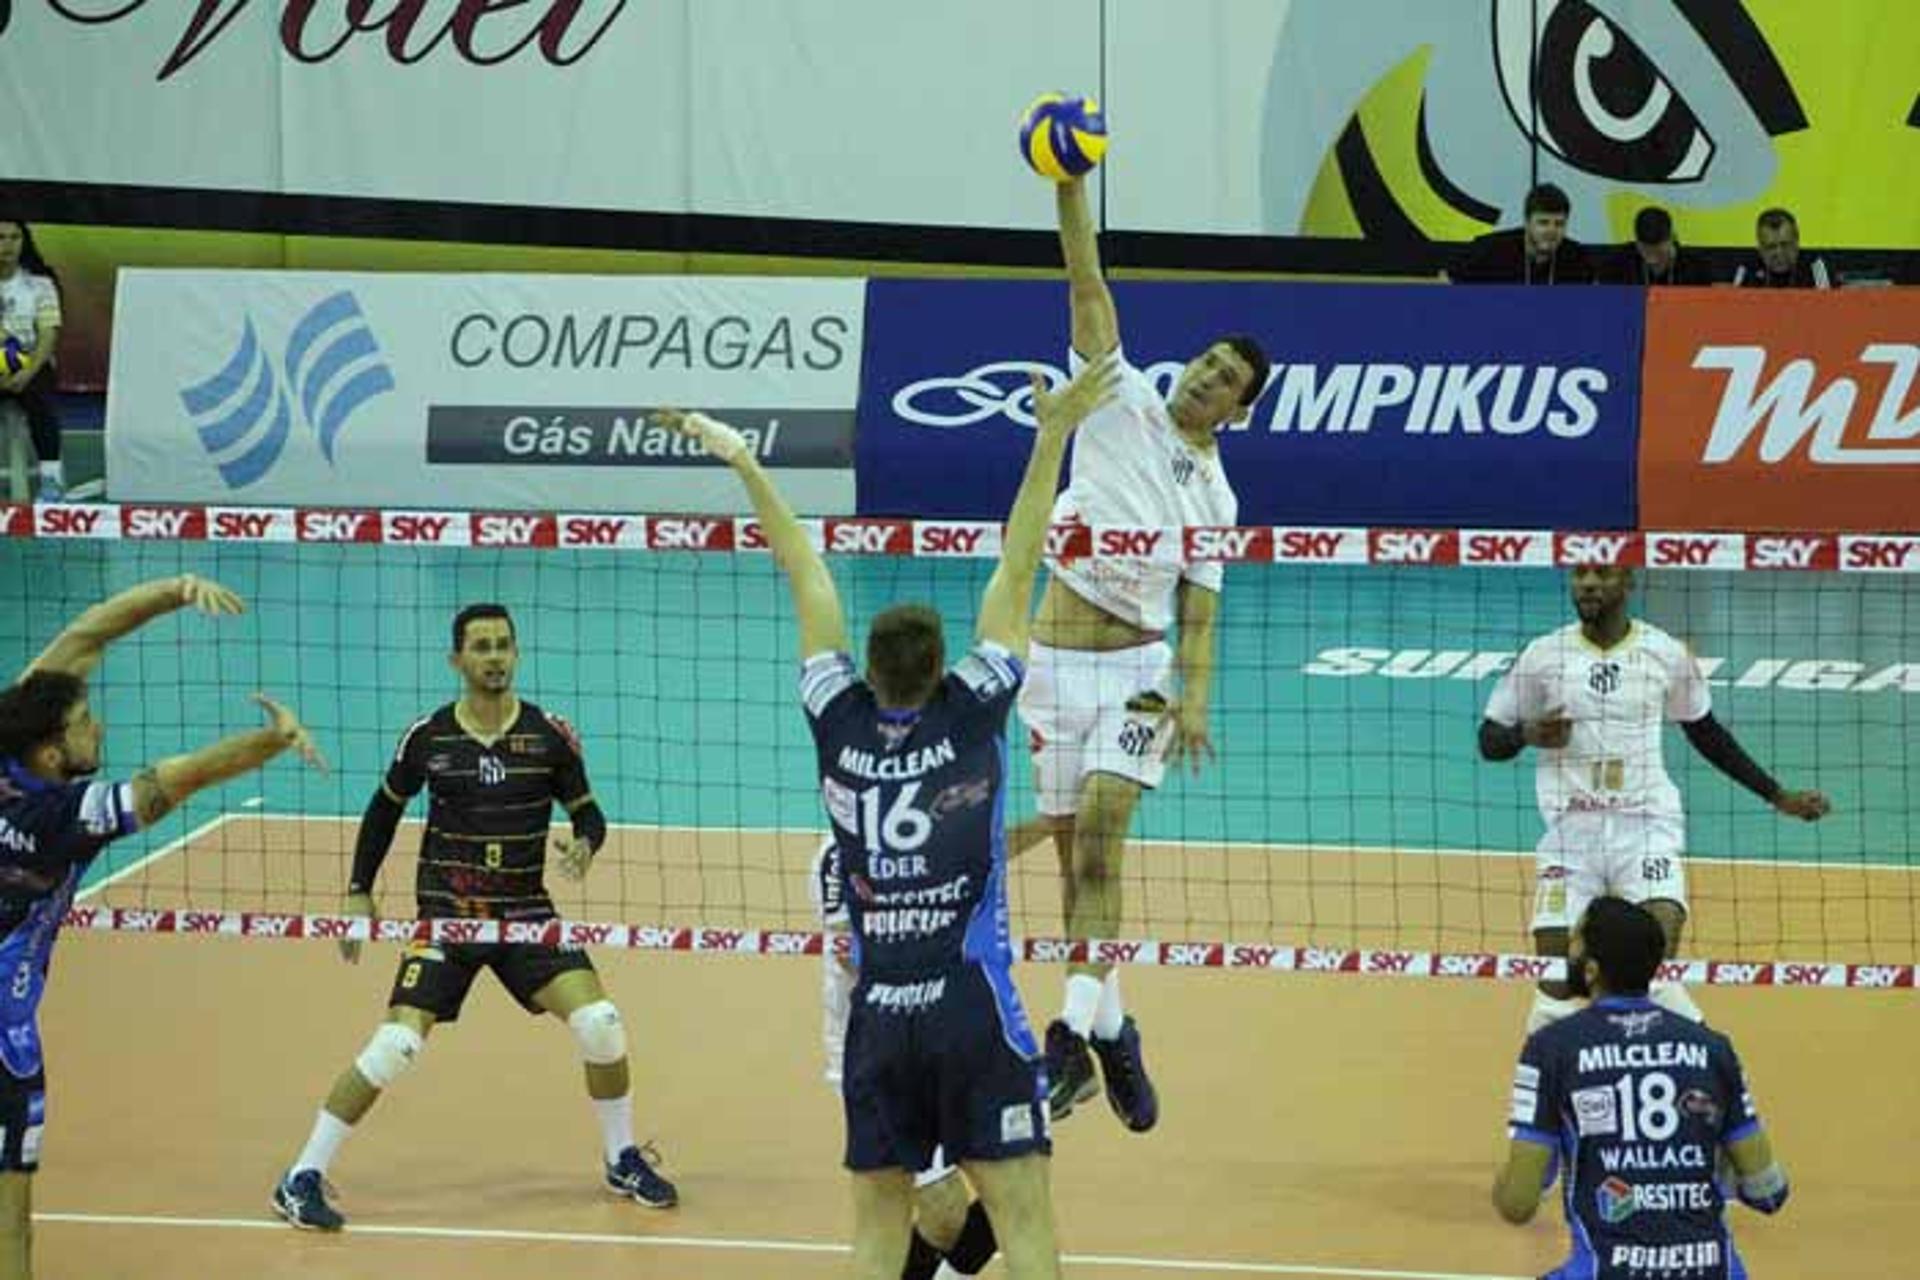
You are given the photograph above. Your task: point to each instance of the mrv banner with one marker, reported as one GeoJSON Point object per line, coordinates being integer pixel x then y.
{"type": "Point", "coordinates": [477, 391]}
{"type": "Point", "coordinates": [1387, 405]}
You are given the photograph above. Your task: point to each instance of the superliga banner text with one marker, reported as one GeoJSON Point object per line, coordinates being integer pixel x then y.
{"type": "Point", "coordinates": [1407, 405]}
{"type": "Point", "coordinates": [476, 390]}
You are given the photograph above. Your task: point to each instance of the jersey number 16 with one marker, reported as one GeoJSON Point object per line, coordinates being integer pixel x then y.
{"type": "Point", "coordinates": [902, 829]}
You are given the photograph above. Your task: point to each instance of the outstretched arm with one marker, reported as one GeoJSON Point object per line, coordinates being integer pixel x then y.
{"type": "Point", "coordinates": [159, 788]}
{"type": "Point", "coordinates": [1712, 740]}
{"type": "Point", "coordinates": [1003, 609]}
{"type": "Point", "coordinates": [78, 648]}
{"type": "Point", "coordinates": [1096, 325]}
{"type": "Point", "coordinates": [823, 627]}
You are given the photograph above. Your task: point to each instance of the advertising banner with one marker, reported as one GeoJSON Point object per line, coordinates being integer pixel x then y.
{"type": "Point", "coordinates": [1387, 405]}
{"type": "Point", "coordinates": [1772, 413]}
{"type": "Point", "coordinates": [476, 390]}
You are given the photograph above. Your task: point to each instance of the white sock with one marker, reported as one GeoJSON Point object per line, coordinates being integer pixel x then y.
{"type": "Point", "coordinates": [616, 1124]}
{"type": "Point", "coordinates": [1110, 1014]}
{"type": "Point", "coordinates": [1673, 996]}
{"type": "Point", "coordinates": [1546, 1010]}
{"type": "Point", "coordinates": [329, 1131]}
{"type": "Point", "coordinates": [53, 471]}
{"type": "Point", "coordinates": [1083, 1001]}
{"type": "Point", "coordinates": [946, 1272]}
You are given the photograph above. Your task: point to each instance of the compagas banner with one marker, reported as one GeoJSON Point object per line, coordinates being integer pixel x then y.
{"type": "Point", "coordinates": [477, 390]}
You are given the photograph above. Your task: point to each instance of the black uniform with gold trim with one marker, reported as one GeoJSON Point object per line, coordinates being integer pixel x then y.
{"type": "Point", "coordinates": [484, 852]}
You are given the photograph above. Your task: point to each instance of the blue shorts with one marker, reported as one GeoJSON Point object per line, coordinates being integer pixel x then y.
{"type": "Point", "coordinates": [944, 1061]}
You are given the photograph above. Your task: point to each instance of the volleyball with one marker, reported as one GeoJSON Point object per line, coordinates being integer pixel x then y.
{"type": "Point", "coordinates": [13, 357]}
{"type": "Point", "coordinates": [1062, 137]}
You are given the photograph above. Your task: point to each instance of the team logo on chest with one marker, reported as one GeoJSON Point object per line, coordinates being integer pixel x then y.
{"type": "Point", "coordinates": [1604, 678]}
{"type": "Point", "coordinates": [492, 772]}
{"type": "Point", "coordinates": [1183, 468]}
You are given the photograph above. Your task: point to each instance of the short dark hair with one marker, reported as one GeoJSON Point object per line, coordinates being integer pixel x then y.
{"type": "Point", "coordinates": [1775, 217]}
{"type": "Point", "coordinates": [906, 654]}
{"type": "Point", "coordinates": [1626, 942]}
{"type": "Point", "coordinates": [1653, 225]}
{"type": "Point", "coordinates": [475, 612]}
{"type": "Point", "coordinates": [34, 711]}
{"type": "Point", "coordinates": [1248, 348]}
{"type": "Point", "coordinates": [1547, 198]}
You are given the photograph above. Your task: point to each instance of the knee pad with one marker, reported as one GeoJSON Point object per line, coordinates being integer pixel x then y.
{"type": "Point", "coordinates": [602, 1036]}
{"type": "Point", "coordinates": [390, 1052]}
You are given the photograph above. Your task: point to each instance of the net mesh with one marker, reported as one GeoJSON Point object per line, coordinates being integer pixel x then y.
{"type": "Point", "coordinates": [1348, 806]}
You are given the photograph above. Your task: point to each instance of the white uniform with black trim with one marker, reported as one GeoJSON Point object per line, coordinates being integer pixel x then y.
{"type": "Point", "coordinates": [1131, 467]}
{"type": "Point", "coordinates": [1613, 816]}
{"type": "Point", "coordinates": [837, 978]}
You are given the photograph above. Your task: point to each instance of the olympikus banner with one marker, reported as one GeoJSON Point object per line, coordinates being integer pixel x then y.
{"type": "Point", "coordinates": [476, 390]}
{"type": "Point", "coordinates": [1387, 405]}
{"type": "Point", "coordinates": [1772, 413]}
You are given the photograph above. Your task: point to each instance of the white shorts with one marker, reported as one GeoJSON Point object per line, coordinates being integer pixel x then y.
{"type": "Point", "coordinates": [1590, 855]}
{"type": "Point", "coordinates": [1091, 711]}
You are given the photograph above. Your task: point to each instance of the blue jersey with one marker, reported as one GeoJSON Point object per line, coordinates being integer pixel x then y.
{"type": "Point", "coordinates": [1638, 1101]}
{"type": "Point", "coordinates": [918, 806]}
{"type": "Point", "coordinates": [49, 832]}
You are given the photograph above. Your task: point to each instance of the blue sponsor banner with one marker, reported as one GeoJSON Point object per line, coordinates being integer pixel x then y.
{"type": "Point", "coordinates": [1388, 405]}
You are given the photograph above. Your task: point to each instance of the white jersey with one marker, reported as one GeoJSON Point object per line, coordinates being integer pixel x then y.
{"type": "Point", "coordinates": [1132, 467]}
{"type": "Point", "coordinates": [1618, 700]}
{"type": "Point", "coordinates": [836, 979]}
{"type": "Point", "coordinates": [29, 306]}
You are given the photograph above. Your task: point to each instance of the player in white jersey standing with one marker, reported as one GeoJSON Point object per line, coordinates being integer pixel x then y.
{"type": "Point", "coordinates": [1593, 697]}
{"type": "Point", "coordinates": [1102, 713]}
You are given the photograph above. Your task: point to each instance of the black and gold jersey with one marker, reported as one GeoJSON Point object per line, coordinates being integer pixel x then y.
{"type": "Point", "coordinates": [490, 808]}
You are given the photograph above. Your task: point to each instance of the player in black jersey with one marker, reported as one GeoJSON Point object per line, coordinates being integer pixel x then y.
{"type": "Point", "coordinates": [1638, 1102]}
{"type": "Point", "coordinates": [913, 769]}
{"type": "Point", "coordinates": [493, 766]}
{"type": "Point", "coordinates": [55, 820]}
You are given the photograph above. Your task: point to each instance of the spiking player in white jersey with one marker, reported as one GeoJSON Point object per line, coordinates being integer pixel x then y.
{"type": "Point", "coordinates": [1592, 697]}
{"type": "Point", "coordinates": [1103, 707]}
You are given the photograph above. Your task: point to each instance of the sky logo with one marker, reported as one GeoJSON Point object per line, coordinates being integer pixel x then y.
{"type": "Point", "coordinates": [244, 413]}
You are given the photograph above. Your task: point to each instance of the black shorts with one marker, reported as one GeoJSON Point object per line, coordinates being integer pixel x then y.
{"type": "Point", "coordinates": [948, 1061]}
{"type": "Point", "coordinates": [23, 1117]}
{"type": "Point", "coordinates": [436, 978]}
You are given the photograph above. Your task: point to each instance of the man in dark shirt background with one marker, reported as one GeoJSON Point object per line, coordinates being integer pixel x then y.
{"type": "Point", "coordinates": [1537, 253]}
{"type": "Point", "coordinates": [1653, 256]}
{"type": "Point", "coordinates": [1779, 264]}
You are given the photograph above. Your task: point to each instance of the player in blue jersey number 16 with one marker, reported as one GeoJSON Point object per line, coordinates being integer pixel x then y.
{"type": "Point", "coordinates": [912, 758]}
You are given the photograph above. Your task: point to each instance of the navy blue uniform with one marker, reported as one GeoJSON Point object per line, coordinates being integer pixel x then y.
{"type": "Point", "coordinates": [49, 833]}
{"type": "Point", "coordinates": [939, 1051]}
{"type": "Point", "coordinates": [1638, 1102]}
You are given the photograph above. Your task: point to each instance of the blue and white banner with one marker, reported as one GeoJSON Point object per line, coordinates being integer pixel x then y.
{"type": "Point", "coordinates": [1388, 405]}
{"type": "Point", "coordinates": [476, 391]}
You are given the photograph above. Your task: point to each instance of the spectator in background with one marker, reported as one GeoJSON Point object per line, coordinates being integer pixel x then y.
{"type": "Point", "coordinates": [1653, 256]}
{"type": "Point", "coordinates": [1536, 253]}
{"type": "Point", "coordinates": [30, 318]}
{"type": "Point", "coordinates": [1780, 265]}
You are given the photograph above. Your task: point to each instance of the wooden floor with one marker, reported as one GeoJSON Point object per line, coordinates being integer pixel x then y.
{"type": "Point", "coordinates": [1314, 1126]}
